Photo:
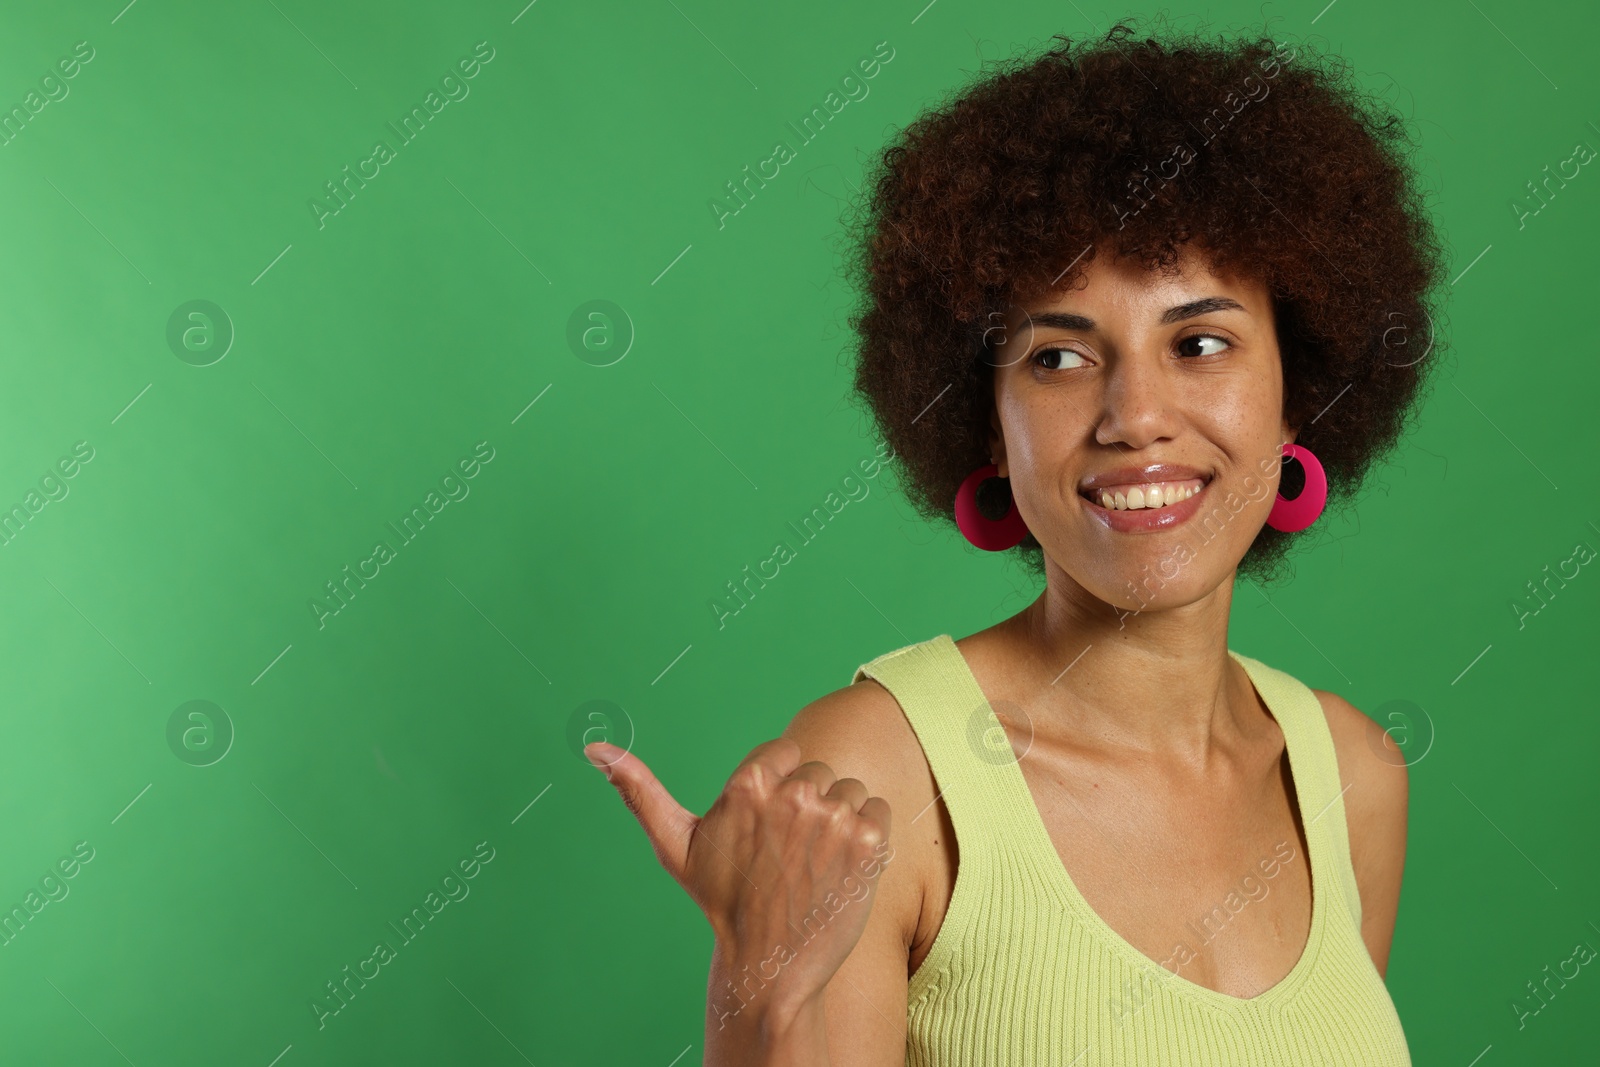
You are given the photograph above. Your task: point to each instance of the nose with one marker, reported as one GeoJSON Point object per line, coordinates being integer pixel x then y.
{"type": "Point", "coordinates": [1138, 405]}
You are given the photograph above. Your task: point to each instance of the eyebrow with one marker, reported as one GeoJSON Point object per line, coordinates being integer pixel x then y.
{"type": "Point", "coordinates": [1066, 320]}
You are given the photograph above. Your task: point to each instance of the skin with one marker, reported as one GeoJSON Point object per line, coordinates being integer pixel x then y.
{"type": "Point", "coordinates": [1159, 773]}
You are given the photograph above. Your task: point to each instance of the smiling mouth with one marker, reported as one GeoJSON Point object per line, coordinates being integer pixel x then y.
{"type": "Point", "coordinates": [1144, 495]}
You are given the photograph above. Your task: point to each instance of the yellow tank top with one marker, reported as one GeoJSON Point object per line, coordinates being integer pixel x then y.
{"type": "Point", "coordinates": [1024, 972]}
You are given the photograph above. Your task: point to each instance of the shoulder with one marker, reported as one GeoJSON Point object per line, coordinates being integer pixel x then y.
{"type": "Point", "coordinates": [860, 732]}
{"type": "Point", "coordinates": [1372, 773]}
{"type": "Point", "coordinates": [1369, 762]}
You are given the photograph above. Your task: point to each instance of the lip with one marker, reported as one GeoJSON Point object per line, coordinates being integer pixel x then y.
{"type": "Point", "coordinates": [1148, 520]}
{"type": "Point", "coordinates": [1153, 472]}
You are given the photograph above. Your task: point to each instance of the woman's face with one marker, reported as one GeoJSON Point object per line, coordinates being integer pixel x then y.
{"type": "Point", "coordinates": [1096, 387]}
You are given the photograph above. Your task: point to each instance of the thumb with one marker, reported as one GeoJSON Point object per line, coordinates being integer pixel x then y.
{"type": "Point", "coordinates": [667, 824]}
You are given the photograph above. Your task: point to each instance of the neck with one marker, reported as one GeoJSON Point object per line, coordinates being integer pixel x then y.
{"type": "Point", "coordinates": [1158, 680]}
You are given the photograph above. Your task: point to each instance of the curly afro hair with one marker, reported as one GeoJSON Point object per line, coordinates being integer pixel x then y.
{"type": "Point", "coordinates": [1268, 156]}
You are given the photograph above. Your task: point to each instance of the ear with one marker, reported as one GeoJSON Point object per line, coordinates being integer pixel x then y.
{"type": "Point", "coordinates": [997, 441]}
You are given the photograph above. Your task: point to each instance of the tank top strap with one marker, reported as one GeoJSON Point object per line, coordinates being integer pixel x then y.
{"type": "Point", "coordinates": [1314, 762]}
{"type": "Point", "coordinates": [974, 766]}
{"type": "Point", "coordinates": [966, 747]}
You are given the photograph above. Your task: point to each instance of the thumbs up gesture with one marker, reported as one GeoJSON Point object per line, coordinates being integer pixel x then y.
{"type": "Point", "coordinates": [783, 864]}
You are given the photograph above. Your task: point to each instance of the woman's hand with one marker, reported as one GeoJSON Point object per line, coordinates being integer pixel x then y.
{"type": "Point", "coordinates": [783, 865]}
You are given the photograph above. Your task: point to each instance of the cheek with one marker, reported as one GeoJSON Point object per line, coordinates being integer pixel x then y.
{"type": "Point", "coordinates": [1248, 417]}
{"type": "Point", "coordinates": [1039, 438]}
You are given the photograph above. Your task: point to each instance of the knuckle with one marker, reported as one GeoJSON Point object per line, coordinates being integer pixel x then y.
{"type": "Point", "coordinates": [838, 812]}
{"type": "Point", "coordinates": [748, 782]}
{"type": "Point", "coordinates": [868, 837]}
{"type": "Point", "coordinates": [822, 769]}
{"type": "Point", "coordinates": [630, 799]}
{"type": "Point", "coordinates": [799, 794]}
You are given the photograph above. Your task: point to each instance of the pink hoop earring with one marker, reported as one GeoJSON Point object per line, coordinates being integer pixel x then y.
{"type": "Point", "coordinates": [1302, 511]}
{"type": "Point", "coordinates": [984, 532]}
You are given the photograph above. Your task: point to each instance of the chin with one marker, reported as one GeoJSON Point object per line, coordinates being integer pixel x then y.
{"type": "Point", "coordinates": [1146, 588]}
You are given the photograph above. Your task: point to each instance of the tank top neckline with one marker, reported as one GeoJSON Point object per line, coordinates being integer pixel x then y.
{"type": "Point", "coordinates": [1036, 840]}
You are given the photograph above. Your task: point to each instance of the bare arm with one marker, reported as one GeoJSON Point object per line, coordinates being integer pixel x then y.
{"type": "Point", "coordinates": [861, 732]}
{"type": "Point", "coordinates": [788, 866]}
{"type": "Point", "coordinates": [1376, 805]}
{"type": "Point", "coordinates": [752, 1033]}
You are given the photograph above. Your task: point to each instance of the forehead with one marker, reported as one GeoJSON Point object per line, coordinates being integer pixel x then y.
{"type": "Point", "coordinates": [1118, 288]}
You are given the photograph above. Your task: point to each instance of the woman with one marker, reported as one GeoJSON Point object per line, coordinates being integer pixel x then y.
{"type": "Point", "coordinates": [1175, 297]}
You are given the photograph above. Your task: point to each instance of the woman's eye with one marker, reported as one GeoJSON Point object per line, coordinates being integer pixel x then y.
{"type": "Point", "coordinates": [1045, 355]}
{"type": "Point", "coordinates": [1195, 339]}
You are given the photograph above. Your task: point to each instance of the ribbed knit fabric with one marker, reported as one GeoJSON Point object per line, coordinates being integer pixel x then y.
{"type": "Point", "coordinates": [1024, 972]}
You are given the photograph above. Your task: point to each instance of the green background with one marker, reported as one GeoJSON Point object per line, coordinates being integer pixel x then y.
{"type": "Point", "coordinates": [371, 353]}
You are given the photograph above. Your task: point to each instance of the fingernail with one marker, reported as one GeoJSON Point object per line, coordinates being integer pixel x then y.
{"type": "Point", "coordinates": [601, 753]}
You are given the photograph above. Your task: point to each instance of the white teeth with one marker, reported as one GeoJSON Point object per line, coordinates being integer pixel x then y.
{"type": "Point", "coordinates": [1154, 495]}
